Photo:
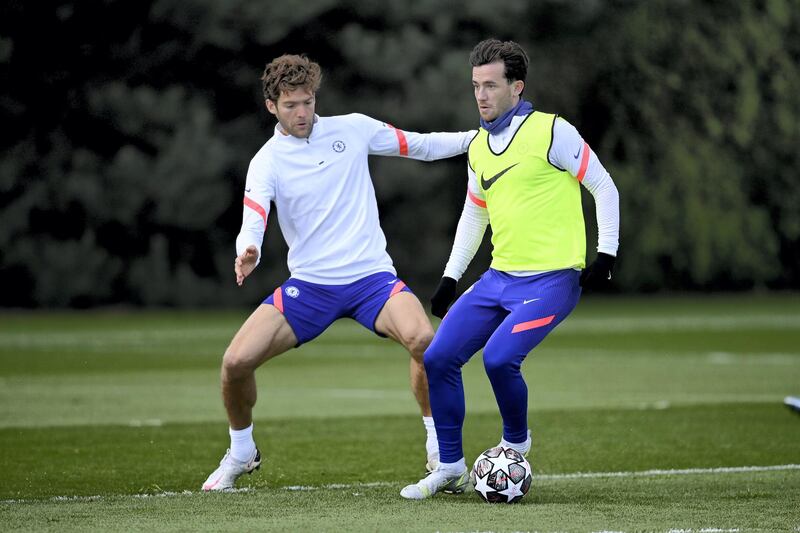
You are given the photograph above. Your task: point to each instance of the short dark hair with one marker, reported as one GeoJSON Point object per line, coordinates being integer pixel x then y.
{"type": "Point", "coordinates": [289, 72]}
{"type": "Point", "coordinates": [510, 53]}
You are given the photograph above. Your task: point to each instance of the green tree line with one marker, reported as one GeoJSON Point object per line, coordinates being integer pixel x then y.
{"type": "Point", "coordinates": [128, 128]}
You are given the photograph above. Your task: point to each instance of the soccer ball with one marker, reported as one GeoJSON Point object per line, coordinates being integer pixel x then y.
{"type": "Point", "coordinates": [501, 475]}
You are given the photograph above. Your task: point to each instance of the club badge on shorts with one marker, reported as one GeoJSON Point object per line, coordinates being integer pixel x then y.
{"type": "Point", "coordinates": [292, 291]}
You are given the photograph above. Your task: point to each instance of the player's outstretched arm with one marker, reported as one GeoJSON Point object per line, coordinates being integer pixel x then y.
{"type": "Point", "coordinates": [437, 145]}
{"type": "Point", "coordinates": [385, 139]}
{"type": "Point", "coordinates": [245, 263]}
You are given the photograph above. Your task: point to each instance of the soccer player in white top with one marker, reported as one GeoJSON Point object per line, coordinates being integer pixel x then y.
{"type": "Point", "coordinates": [314, 169]}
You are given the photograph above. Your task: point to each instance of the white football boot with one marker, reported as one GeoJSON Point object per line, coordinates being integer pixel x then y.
{"type": "Point", "coordinates": [524, 447]}
{"type": "Point", "coordinates": [436, 481]}
{"type": "Point", "coordinates": [792, 402]}
{"type": "Point", "coordinates": [224, 477]}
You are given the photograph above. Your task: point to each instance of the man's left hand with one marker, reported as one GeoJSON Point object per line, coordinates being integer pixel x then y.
{"type": "Point", "coordinates": [599, 272]}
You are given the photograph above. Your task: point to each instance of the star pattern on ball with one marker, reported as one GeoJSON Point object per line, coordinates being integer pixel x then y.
{"type": "Point", "coordinates": [501, 463]}
{"type": "Point", "coordinates": [482, 487]}
{"type": "Point", "coordinates": [513, 491]}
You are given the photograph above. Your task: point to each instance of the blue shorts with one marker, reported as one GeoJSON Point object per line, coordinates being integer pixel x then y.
{"type": "Point", "coordinates": [311, 307]}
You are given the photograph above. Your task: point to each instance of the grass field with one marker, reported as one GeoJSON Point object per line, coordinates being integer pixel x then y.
{"type": "Point", "coordinates": [648, 415]}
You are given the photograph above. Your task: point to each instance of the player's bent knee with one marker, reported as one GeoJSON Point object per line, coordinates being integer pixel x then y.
{"type": "Point", "coordinates": [418, 342]}
{"type": "Point", "coordinates": [236, 365]}
{"type": "Point", "coordinates": [437, 363]}
{"type": "Point", "coordinates": [499, 364]}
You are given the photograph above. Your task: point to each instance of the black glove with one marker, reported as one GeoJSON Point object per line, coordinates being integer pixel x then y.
{"type": "Point", "coordinates": [598, 273]}
{"type": "Point", "coordinates": [443, 297]}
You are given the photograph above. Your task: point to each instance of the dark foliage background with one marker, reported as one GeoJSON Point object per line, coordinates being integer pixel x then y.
{"type": "Point", "coordinates": [127, 128]}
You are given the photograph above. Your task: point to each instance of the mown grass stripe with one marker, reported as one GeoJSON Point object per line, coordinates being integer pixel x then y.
{"type": "Point", "coordinates": [377, 484]}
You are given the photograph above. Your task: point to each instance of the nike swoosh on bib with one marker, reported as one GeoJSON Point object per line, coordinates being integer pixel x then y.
{"type": "Point", "coordinates": [488, 183]}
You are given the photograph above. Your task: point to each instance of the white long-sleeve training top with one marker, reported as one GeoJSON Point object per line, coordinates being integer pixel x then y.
{"type": "Point", "coordinates": [323, 192]}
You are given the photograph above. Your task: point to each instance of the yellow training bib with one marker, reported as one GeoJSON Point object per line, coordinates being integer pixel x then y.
{"type": "Point", "coordinates": [534, 208]}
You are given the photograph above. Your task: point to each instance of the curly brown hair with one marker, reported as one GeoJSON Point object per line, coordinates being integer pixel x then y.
{"type": "Point", "coordinates": [289, 72]}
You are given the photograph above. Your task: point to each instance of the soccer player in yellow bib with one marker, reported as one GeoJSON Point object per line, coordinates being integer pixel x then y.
{"type": "Point", "coordinates": [525, 172]}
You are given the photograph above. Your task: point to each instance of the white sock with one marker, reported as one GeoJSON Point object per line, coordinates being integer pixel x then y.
{"type": "Point", "coordinates": [519, 446]}
{"type": "Point", "coordinates": [242, 444]}
{"type": "Point", "coordinates": [431, 442]}
{"type": "Point", "coordinates": [453, 469]}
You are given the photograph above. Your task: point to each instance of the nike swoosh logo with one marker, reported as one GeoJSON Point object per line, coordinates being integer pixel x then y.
{"type": "Point", "coordinates": [577, 154]}
{"type": "Point", "coordinates": [247, 190]}
{"type": "Point", "coordinates": [393, 281]}
{"type": "Point", "coordinates": [488, 183]}
{"type": "Point", "coordinates": [529, 301]}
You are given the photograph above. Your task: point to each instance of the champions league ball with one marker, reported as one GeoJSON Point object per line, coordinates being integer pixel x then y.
{"type": "Point", "coordinates": [501, 475]}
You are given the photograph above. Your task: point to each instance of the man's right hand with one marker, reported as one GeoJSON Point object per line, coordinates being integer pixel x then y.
{"type": "Point", "coordinates": [443, 297]}
{"type": "Point", "coordinates": [245, 264]}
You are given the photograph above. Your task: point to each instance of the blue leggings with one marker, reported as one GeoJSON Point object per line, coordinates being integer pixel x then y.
{"type": "Point", "coordinates": [507, 316]}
